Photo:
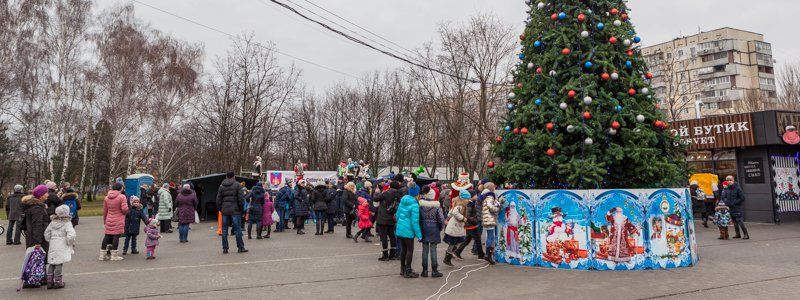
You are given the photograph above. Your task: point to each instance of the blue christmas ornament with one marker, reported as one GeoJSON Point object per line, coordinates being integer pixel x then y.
{"type": "Point", "coordinates": [538, 101]}
{"type": "Point", "coordinates": [508, 128]}
{"type": "Point", "coordinates": [522, 56]}
{"type": "Point", "coordinates": [600, 26]}
{"type": "Point", "coordinates": [637, 39]}
{"type": "Point", "coordinates": [562, 16]}
{"type": "Point", "coordinates": [629, 64]}
{"type": "Point", "coordinates": [618, 108]}
{"type": "Point", "coordinates": [537, 44]}
{"type": "Point", "coordinates": [630, 32]}
{"type": "Point", "coordinates": [510, 106]}
{"type": "Point", "coordinates": [588, 65]}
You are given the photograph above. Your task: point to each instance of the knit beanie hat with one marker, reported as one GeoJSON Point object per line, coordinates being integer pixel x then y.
{"type": "Point", "coordinates": [62, 211]}
{"type": "Point", "coordinates": [464, 194]}
{"type": "Point", "coordinates": [51, 185]}
{"type": "Point", "coordinates": [153, 222]}
{"type": "Point", "coordinates": [116, 186]}
{"type": "Point", "coordinates": [135, 199]}
{"type": "Point", "coordinates": [413, 191]}
{"type": "Point", "coordinates": [18, 188]}
{"type": "Point", "coordinates": [39, 191]}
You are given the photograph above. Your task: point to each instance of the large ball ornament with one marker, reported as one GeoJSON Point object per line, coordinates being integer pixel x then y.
{"type": "Point", "coordinates": [584, 34]}
{"type": "Point", "coordinates": [629, 64]}
{"type": "Point", "coordinates": [490, 164]}
{"type": "Point", "coordinates": [605, 76]}
{"type": "Point", "coordinates": [624, 17]}
{"type": "Point", "coordinates": [600, 26]}
{"type": "Point", "coordinates": [658, 124]}
{"type": "Point", "coordinates": [566, 51]}
{"type": "Point", "coordinates": [519, 85]}
{"type": "Point", "coordinates": [614, 11]}
{"type": "Point", "coordinates": [571, 94]}
{"type": "Point", "coordinates": [615, 125]}
{"type": "Point", "coordinates": [539, 70]}
{"type": "Point", "coordinates": [540, 5]}
{"type": "Point", "coordinates": [581, 17]}
{"type": "Point", "coordinates": [588, 141]}
{"type": "Point", "coordinates": [538, 102]}
{"type": "Point", "coordinates": [570, 128]}
{"type": "Point", "coordinates": [563, 106]}
{"type": "Point", "coordinates": [511, 95]}
{"type": "Point", "coordinates": [626, 42]}
{"type": "Point", "coordinates": [648, 75]}
{"type": "Point", "coordinates": [612, 131]}
{"type": "Point", "coordinates": [521, 56]}
{"type": "Point", "coordinates": [645, 91]}
{"type": "Point", "coordinates": [587, 100]}
{"type": "Point", "coordinates": [507, 129]}
{"type": "Point", "coordinates": [637, 39]}
{"type": "Point", "coordinates": [617, 23]}
{"type": "Point", "coordinates": [587, 115]}
{"type": "Point", "coordinates": [618, 108]}
{"type": "Point", "coordinates": [612, 40]}
{"type": "Point", "coordinates": [524, 130]}
{"type": "Point", "coordinates": [510, 106]}
{"type": "Point", "coordinates": [522, 37]}
{"type": "Point", "coordinates": [537, 44]}
{"type": "Point", "coordinates": [552, 73]}
{"type": "Point", "coordinates": [550, 126]}
{"type": "Point", "coordinates": [554, 17]}
{"type": "Point", "coordinates": [530, 66]}
{"type": "Point", "coordinates": [629, 52]}
{"type": "Point", "coordinates": [640, 118]}
{"type": "Point", "coordinates": [516, 130]}
{"type": "Point", "coordinates": [588, 65]}
{"type": "Point", "coordinates": [562, 15]}
{"type": "Point", "coordinates": [551, 152]}
{"type": "Point", "coordinates": [632, 92]}
{"type": "Point", "coordinates": [498, 139]}
{"type": "Point", "coordinates": [614, 76]}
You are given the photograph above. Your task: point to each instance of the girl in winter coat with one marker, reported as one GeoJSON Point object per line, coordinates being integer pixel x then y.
{"type": "Point", "coordinates": [364, 220]}
{"type": "Point", "coordinates": [152, 238]}
{"type": "Point", "coordinates": [132, 221]}
{"type": "Point", "coordinates": [70, 199]}
{"type": "Point", "coordinates": [455, 233]}
{"type": "Point", "coordinates": [61, 236]}
{"type": "Point", "coordinates": [266, 216]}
{"type": "Point", "coordinates": [255, 210]}
{"type": "Point", "coordinates": [407, 229]}
{"type": "Point", "coordinates": [431, 222]}
{"type": "Point", "coordinates": [115, 208]}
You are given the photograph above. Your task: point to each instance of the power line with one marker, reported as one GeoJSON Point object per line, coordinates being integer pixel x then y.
{"type": "Point", "coordinates": [242, 39]}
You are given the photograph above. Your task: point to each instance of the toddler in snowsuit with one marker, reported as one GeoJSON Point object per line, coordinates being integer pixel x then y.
{"type": "Point", "coordinates": [152, 238]}
{"type": "Point", "coordinates": [364, 220]}
{"type": "Point", "coordinates": [132, 229]}
{"type": "Point", "coordinates": [61, 236]}
{"type": "Point", "coordinates": [722, 218]}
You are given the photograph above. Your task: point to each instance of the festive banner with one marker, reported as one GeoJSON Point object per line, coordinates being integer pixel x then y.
{"type": "Point", "coordinates": [597, 229]}
{"type": "Point", "coordinates": [786, 183]}
{"type": "Point", "coordinates": [311, 177]}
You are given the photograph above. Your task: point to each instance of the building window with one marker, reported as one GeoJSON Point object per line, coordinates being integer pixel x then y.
{"type": "Point", "coordinates": [720, 68]}
{"type": "Point", "coordinates": [718, 80]}
{"type": "Point", "coordinates": [766, 81]}
{"type": "Point", "coordinates": [765, 69]}
{"type": "Point", "coordinates": [762, 46]}
{"type": "Point", "coordinates": [715, 56]}
{"type": "Point", "coordinates": [715, 93]}
{"type": "Point", "coordinates": [712, 105]}
{"type": "Point", "coordinates": [764, 57]}
{"type": "Point", "coordinates": [710, 45]}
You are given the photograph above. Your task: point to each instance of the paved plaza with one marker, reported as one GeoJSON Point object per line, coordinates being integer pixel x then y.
{"type": "Point", "coordinates": [289, 266]}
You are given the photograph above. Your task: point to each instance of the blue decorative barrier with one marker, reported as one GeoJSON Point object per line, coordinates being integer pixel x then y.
{"type": "Point", "coordinates": [597, 229]}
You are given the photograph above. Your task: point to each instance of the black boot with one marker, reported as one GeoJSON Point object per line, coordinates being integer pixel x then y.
{"type": "Point", "coordinates": [410, 274]}
{"type": "Point", "coordinates": [738, 234]}
{"type": "Point", "coordinates": [424, 273]}
{"type": "Point", "coordinates": [490, 256]}
{"type": "Point", "coordinates": [448, 257]}
{"type": "Point", "coordinates": [435, 273]}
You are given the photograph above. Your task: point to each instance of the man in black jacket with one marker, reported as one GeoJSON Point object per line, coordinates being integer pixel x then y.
{"type": "Point", "coordinates": [385, 221]}
{"type": "Point", "coordinates": [231, 205]}
{"type": "Point", "coordinates": [14, 214]}
{"type": "Point", "coordinates": [330, 199]}
{"type": "Point", "coordinates": [733, 196]}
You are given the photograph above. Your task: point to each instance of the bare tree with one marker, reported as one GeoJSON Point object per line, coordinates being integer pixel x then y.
{"type": "Point", "coordinates": [789, 87]}
{"type": "Point", "coordinates": [679, 88]}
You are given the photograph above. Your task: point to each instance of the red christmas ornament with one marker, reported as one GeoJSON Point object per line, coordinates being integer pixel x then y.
{"type": "Point", "coordinates": [498, 139]}
{"type": "Point", "coordinates": [632, 92]}
{"type": "Point", "coordinates": [581, 18]}
{"type": "Point", "coordinates": [490, 164]}
{"type": "Point", "coordinates": [659, 124]}
{"type": "Point", "coordinates": [613, 12]}
{"type": "Point", "coordinates": [571, 94]}
{"type": "Point", "coordinates": [630, 52]}
{"type": "Point", "coordinates": [539, 70]}
{"type": "Point", "coordinates": [648, 75]}
{"type": "Point", "coordinates": [551, 152]}
{"type": "Point", "coordinates": [612, 40]}
{"type": "Point", "coordinates": [516, 130]}
{"type": "Point", "coordinates": [524, 130]}
{"type": "Point", "coordinates": [519, 85]}
{"type": "Point", "coordinates": [624, 17]}
{"type": "Point", "coordinates": [587, 115]}
{"type": "Point", "coordinates": [550, 126]}
{"type": "Point", "coordinates": [615, 125]}
{"type": "Point", "coordinates": [554, 17]}
{"type": "Point", "coordinates": [605, 76]}
{"type": "Point", "coordinates": [522, 37]}
{"type": "Point", "coordinates": [566, 51]}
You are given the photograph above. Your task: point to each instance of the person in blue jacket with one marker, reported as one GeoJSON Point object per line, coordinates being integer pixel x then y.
{"type": "Point", "coordinates": [407, 229]}
{"type": "Point", "coordinates": [283, 200]}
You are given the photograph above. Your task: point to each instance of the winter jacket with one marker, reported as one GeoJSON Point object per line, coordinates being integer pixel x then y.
{"type": "Point", "coordinates": [330, 198]}
{"type": "Point", "coordinates": [387, 200]}
{"type": "Point", "coordinates": [229, 201]}
{"type": "Point", "coordinates": [285, 197]}
{"type": "Point", "coordinates": [164, 205]}
{"type": "Point", "coordinates": [431, 221]}
{"type": "Point", "coordinates": [152, 236]}
{"type": "Point", "coordinates": [115, 208]}
{"type": "Point", "coordinates": [319, 198]}
{"type": "Point", "coordinates": [733, 197]}
{"type": "Point", "coordinates": [301, 203]}
{"type": "Point", "coordinates": [71, 200]}
{"type": "Point", "coordinates": [266, 216]}
{"type": "Point", "coordinates": [61, 236]}
{"type": "Point", "coordinates": [53, 201]}
{"type": "Point", "coordinates": [185, 206]}
{"type": "Point", "coordinates": [14, 206]}
{"type": "Point", "coordinates": [35, 225]}
{"type": "Point", "coordinates": [473, 216]}
{"type": "Point", "coordinates": [348, 201]}
{"type": "Point", "coordinates": [255, 210]}
{"type": "Point", "coordinates": [133, 219]}
{"type": "Point", "coordinates": [491, 209]}
{"type": "Point", "coordinates": [364, 214]}
{"type": "Point", "coordinates": [455, 224]}
{"type": "Point", "coordinates": [408, 218]}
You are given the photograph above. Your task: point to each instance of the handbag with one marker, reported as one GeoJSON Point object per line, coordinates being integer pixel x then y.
{"type": "Point", "coordinates": [196, 218]}
{"type": "Point", "coordinates": [275, 216]}
{"type": "Point", "coordinates": [175, 216]}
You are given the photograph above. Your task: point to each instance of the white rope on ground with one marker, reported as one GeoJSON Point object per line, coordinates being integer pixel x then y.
{"type": "Point", "coordinates": [446, 280]}
{"type": "Point", "coordinates": [462, 280]}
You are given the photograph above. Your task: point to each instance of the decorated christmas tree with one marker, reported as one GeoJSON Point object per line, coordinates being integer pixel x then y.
{"type": "Point", "coordinates": [581, 114]}
{"type": "Point", "coordinates": [525, 234]}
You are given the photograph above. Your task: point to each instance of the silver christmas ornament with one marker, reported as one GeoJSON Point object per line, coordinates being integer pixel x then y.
{"type": "Point", "coordinates": [615, 76]}
{"type": "Point", "coordinates": [570, 128]}
{"type": "Point", "coordinates": [511, 95]}
{"type": "Point", "coordinates": [553, 73]}
{"type": "Point", "coordinates": [640, 118]}
{"type": "Point", "coordinates": [530, 66]}
{"type": "Point", "coordinates": [588, 141]}
{"type": "Point", "coordinates": [617, 23]}
{"type": "Point", "coordinates": [612, 131]}
{"type": "Point", "coordinates": [645, 91]}
{"type": "Point", "coordinates": [587, 100]}
{"type": "Point", "coordinates": [563, 106]}
{"type": "Point", "coordinates": [626, 42]}
{"type": "Point", "coordinates": [540, 5]}
{"type": "Point", "coordinates": [584, 34]}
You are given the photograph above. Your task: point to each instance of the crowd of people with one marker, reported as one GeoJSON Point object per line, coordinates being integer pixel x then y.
{"type": "Point", "coordinates": [401, 211]}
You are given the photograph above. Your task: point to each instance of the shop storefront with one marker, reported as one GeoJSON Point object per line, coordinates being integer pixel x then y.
{"type": "Point", "coordinates": [760, 149]}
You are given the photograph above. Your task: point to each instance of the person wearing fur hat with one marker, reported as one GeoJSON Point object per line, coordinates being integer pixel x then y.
{"type": "Point", "coordinates": [61, 236]}
{"type": "Point", "coordinates": [135, 215]}
{"type": "Point", "coordinates": [407, 229]}
{"type": "Point", "coordinates": [431, 222]}
{"type": "Point", "coordinates": [115, 208]}
{"type": "Point", "coordinates": [153, 235]}
{"type": "Point", "coordinates": [473, 216]}
{"type": "Point", "coordinates": [454, 232]}
{"type": "Point", "coordinates": [722, 217]}
{"type": "Point", "coordinates": [490, 212]}
{"type": "Point", "coordinates": [36, 217]}
{"type": "Point", "coordinates": [14, 215]}
{"type": "Point", "coordinates": [70, 198]}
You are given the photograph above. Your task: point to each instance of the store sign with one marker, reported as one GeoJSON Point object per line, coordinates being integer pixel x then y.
{"type": "Point", "coordinates": [753, 170]}
{"type": "Point", "coordinates": [719, 132]}
{"type": "Point", "coordinates": [787, 127]}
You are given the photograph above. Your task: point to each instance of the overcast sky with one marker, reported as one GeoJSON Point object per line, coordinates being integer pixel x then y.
{"type": "Point", "coordinates": [411, 23]}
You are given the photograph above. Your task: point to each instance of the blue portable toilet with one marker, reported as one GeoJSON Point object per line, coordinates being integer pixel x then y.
{"type": "Point", "coordinates": [135, 181]}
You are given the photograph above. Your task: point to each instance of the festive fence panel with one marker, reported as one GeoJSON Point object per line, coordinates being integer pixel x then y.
{"type": "Point", "coordinates": [597, 229]}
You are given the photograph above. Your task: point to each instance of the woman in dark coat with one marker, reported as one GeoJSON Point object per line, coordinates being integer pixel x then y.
{"type": "Point", "coordinates": [348, 205]}
{"type": "Point", "coordinates": [301, 206]}
{"type": "Point", "coordinates": [255, 210]}
{"type": "Point", "coordinates": [320, 207]}
{"type": "Point", "coordinates": [36, 217]}
{"type": "Point", "coordinates": [185, 206]}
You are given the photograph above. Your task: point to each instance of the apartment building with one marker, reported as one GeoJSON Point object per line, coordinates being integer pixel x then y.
{"type": "Point", "coordinates": [728, 70]}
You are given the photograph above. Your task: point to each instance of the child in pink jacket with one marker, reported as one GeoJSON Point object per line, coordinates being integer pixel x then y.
{"type": "Point", "coordinates": [364, 221]}
{"type": "Point", "coordinates": [152, 238]}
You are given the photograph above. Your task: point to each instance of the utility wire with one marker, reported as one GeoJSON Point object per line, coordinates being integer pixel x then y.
{"type": "Point", "coordinates": [242, 39]}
